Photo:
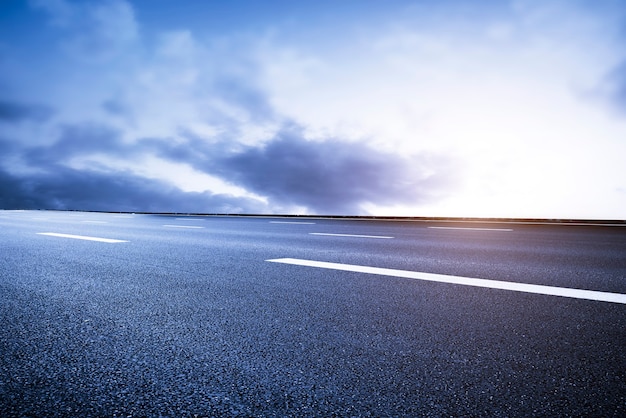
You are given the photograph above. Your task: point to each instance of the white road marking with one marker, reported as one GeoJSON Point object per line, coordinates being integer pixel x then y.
{"type": "Point", "coordinates": [349, 235]}
{"type": "Point", "coordinates": [123, 216]}
{"type": "Point", "coordinates": [466, 281]}
{"type": "Point", "coordinates": [296, 223]}
{"type": "Point", "coordinates": [54, 234]}
{"type": "Point", "coordinates": [470, 229]}
{"type": "Point", "coordinates": [189, 219]}
{"type": "Point", "coordinates": [94, 222]}
{"type": "Point", "coordinates": [184, 226]}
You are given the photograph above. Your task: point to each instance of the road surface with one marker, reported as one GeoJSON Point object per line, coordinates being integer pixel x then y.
{"type": "Point", "coordinates": [183, 316]}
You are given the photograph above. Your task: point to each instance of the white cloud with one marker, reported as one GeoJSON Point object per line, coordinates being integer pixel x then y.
{"type": "Point", "coordinates": [181, 175]}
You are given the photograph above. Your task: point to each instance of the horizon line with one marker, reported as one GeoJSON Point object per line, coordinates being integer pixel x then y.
{"type": "Point", "coordinates": [566, 221]}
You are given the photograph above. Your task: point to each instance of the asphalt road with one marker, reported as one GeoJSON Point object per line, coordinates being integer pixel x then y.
{"type": "Point", "coordinates": [185, 317]}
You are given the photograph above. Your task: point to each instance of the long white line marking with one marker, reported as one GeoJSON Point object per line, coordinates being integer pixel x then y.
{"type": "Point", "coordinates": [93, 222]}
{"type": "Point", "coordinates": [349, 235]}
{"type": "Point", "coordinates": [189, 219]}
{"type": "Point", "coordinates": [54, 234]}
{"type": "Point", "coordinates": [470, 229]}
{"type": "Point", "coordinates": [296, 223]}
{"type": "Point", "coordinates": [184, 226]}
{"type": "Point", "coordinates": [466, 281]}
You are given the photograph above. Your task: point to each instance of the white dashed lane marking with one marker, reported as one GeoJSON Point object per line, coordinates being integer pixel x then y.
{"type": "Point", "coordinates": [349, 235]}
{"type": "Point", "coordinates": [465, 281]}
{"type": "Point", "coordinates": [293, 223]}
{"type": "Point", "coordinates": [82, 237]}
{"type": "Point", "coordinates": [184, 226]}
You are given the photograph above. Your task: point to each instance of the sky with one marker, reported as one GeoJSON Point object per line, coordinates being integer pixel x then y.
{"type": "Point", "coordinates": [452, 108]}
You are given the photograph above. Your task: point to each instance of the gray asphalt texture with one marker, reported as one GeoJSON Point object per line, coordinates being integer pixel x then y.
{"type": "Point", "coordinates": [190, 322]}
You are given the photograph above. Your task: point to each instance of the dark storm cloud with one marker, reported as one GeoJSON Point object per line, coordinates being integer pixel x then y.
{"type": "Point", "coordinates": [326, 177]}
{"type": "Point", "coordinates": [333, 177]}
{"type": "Point", "coordinates": [18, 112]}
{"type": "Point", "coordinates": [66, 188]}
{"type": "Point", "coordinates": [42, 179]}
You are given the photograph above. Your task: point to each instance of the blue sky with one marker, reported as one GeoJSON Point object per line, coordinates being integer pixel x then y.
{"type": "Point", "coordinates": [405, 108]}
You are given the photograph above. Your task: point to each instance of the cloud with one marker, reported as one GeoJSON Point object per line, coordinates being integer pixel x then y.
{"type": "Point", "coordinates": [290, 172]}
{"type": "Point", "coordinates": [611, 85]}
{"type": "Point", "coordinates": [66, 188]}
{"type": "Point", "coordinates": [44, 180]}
{"type": "Point", "coordinates": [118, 108]}
{"type": "Point", "coordinates": [76, 140]}
{"type": "Point", "coordinates": [252, 100]}
{"type": "Point", "coordinates": [333, 177]}
{"type": "Point", "coordinates": [616, 87]}
{"type": "Point", "coordinates": [18, 112]}
{"type": "Point", "coordinates": [94, 31]}
{"type": "Point", "coordinates": [42, 176]}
